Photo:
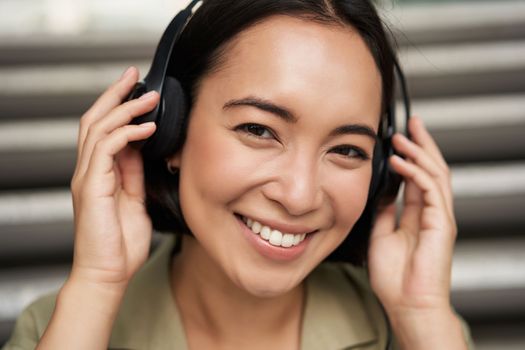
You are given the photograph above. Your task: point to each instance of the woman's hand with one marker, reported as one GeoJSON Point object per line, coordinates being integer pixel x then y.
{"type": "Point", "coordinates": [112, 228]}
{"type": "Point", "coordinates": [410, 263]}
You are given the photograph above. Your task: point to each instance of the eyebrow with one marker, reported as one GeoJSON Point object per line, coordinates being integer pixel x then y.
{"type": "Point", "coordinates": [288, 116]}
{"type": "Point", "coordinates": [264, 105]}
{"type": "Point", "coordinates": [356, 129]}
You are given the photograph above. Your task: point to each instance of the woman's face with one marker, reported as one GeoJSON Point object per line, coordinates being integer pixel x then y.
{"type": "Point", "coordinates": [282, 134]}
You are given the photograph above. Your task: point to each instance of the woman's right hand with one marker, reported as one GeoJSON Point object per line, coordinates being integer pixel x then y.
{"type": "Point", "coordinates": [112, 228]}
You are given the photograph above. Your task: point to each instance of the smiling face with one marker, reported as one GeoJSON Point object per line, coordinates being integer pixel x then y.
{"type": "Point", "coordinates": [281, 135]}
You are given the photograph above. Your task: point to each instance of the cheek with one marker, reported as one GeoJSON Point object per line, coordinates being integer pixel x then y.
{"type": "Point", "coordinates": [349, 196]}
{"type": "Point", "coordinates": [214, 167]}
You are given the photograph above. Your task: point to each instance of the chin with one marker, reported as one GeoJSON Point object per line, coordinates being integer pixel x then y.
{"type": "Point", "coordinates": [265, 284]}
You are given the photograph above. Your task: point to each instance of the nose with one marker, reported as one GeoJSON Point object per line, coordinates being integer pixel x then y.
{"type": "Point", "coordinates": [296, 186]}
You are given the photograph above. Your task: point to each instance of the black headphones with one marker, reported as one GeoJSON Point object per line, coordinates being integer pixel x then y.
{"type": "Point", "coordinates": [173, 104]}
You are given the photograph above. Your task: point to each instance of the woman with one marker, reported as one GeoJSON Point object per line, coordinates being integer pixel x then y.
{"type": "Point", "coordinates": [286, 102]}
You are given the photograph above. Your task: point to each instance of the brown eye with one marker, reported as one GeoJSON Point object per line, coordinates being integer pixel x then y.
{"type": "Point", "coordinates": [350, 152]}
{"type": "Point", "coordinates": [256, 130]}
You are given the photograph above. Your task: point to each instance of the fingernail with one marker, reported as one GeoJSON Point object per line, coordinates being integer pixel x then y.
{"type": "Point", "coordinates": [126, 73]}
{"type": "Point", "coordinates": [148, 95]}
{"type": "Point", "coordinates": [398, 135]}
{"type": "Point", "coordinates": [147, 125]}
{"type": "Point", "coordinates": [396, 157]}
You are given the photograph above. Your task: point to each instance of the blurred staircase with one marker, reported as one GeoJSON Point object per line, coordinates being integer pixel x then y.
{"type": "Point", "coordinates": [465, 64]}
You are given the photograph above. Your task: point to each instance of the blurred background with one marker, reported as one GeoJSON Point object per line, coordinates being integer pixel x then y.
{"type": "Point", "coordinates": [465, 63]}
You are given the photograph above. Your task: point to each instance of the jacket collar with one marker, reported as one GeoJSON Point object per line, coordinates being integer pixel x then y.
{"type": "Point", "coordinates": [335, 314]}
{"type": "Point", "coordinates": [148, 317]}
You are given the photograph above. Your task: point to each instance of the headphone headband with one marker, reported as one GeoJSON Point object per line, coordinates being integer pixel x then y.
{"type": "Point", "coordinates": [156, 77]}
{"type": "Point", "coordinates": [159, 66]}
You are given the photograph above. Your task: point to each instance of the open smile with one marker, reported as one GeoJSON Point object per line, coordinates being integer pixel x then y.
{"type": "Point", "coordinates": [273, 243]}
{"type": "Point", "coordinates": [274, 236]}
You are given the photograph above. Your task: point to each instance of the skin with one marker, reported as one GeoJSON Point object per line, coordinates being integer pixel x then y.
{"type": "Point", "coordinates": [297, 175]}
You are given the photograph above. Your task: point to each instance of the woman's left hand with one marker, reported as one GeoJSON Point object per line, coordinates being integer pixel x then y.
{"type": "Point", "coordinates": [410, 262]}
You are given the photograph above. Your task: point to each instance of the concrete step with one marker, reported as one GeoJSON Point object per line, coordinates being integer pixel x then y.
{"type": "Point", "coordinates": [424, 23]}
{"type": "Point", "coordinates": [475, 128]}
{"type": "Point", "coordinates": [38, 153]}
{"type": "Point", "coordinates": [488, 277]}
{"type": "Point", "coordinates": [489, 197]}
{"type": "Point", "coordinates": [52, 50]}
{"type": "Point", "coordinates": [68, 89]}
{"type": "Point", "coordinates": [135, 36]}
{"type": "Point", "coordinates": [437, 71]}
{"type": "Point", "coordinates": [499, 334]}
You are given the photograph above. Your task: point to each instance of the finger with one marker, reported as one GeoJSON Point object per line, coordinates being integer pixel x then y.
{"type": "Point", "coordinates": [131, 169]}
{"type": "Point", "coordinates": [431, 194]}
{"type": "Point", "coordinates": [112, 97]}
{"type": "Point", "coordinates": [107, 124]}
{"type": "Point", "coordinates": [422, 158]}
{"type": "Point", "coordinates": [102, 159]}
{"type": "Point", "coordinates": [120, 116]}
{"type": "Point", "coordinates": [433, 216]}
{"type": "Point", "coordinates": [418, 154]}
{"type": "Point", "coordinates": [385, 222]}
{"type": "Point", "coordinates": [412, 208]}
{"type": "Point", "coordinates": [422, 137]}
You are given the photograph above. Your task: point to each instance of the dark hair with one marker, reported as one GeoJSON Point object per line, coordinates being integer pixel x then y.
{"type": "Point", "coordinates": [202, 48]}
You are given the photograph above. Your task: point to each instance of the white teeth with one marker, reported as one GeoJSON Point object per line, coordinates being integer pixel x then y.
{"type": "Point", "coordinates": [266, 233]}
{"type": "Point", "coordinates": [275, 237]}
{"type": "Point", "coordinates": [256, 227]}
{"type": "Point", "coordinates": [287, 240]}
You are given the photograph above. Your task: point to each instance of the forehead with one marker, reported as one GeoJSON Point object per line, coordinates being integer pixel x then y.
{"type": "Point", "coordinates": [304, 65]}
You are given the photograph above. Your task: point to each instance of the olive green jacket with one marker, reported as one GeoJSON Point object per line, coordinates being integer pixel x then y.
{"type": "Point", "coordinates": [341, 311]}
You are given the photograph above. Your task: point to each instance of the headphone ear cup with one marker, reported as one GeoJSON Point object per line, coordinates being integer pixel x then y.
{"type": "Point", "coordinates": [170, 132]}
{"type": "Point", "coordinates": [385, 182]}
{"type": "Point", "coordinates": [392, 185]}
{"type": "Point", "coordinates": [140, 89]}
{"type": "Point", "coordinates": [378, 177]}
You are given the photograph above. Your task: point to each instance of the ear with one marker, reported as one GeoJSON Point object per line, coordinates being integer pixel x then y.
{"type": "Point", "coordinates": [174, 160]}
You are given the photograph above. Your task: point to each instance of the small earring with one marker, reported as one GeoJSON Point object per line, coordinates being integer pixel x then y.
{"type": "Point", "coordinates": [170, 169]}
